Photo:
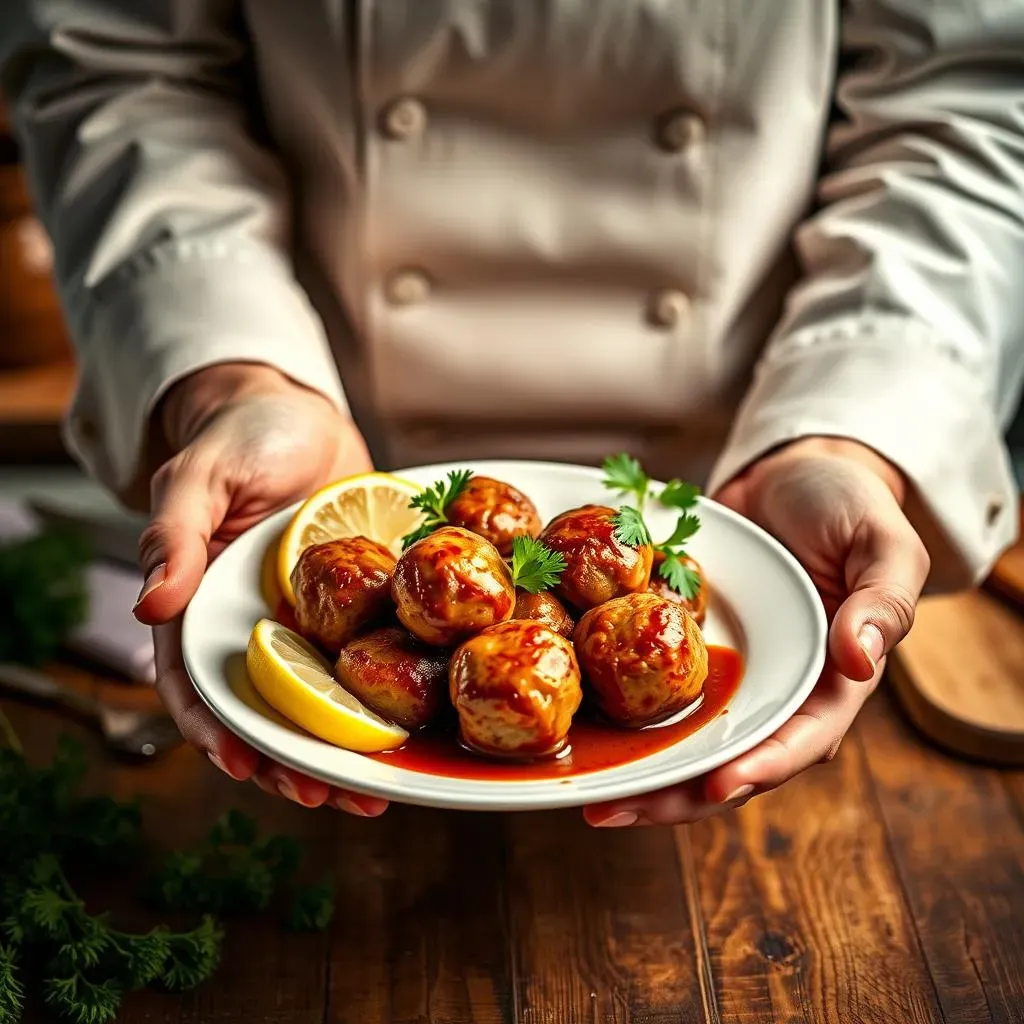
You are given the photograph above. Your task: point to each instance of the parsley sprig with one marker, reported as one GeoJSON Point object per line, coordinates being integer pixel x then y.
{"type": "Point", "coordinates": [434, 502]}
{"type": "Point", "coordinates": [79, 961]}
{"type": "Point", "coordinates": [535, 567]}
{"type": "Point", "coordinates": [624, 474]}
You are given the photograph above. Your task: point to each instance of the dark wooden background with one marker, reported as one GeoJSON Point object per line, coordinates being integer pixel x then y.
{"type": "Point", "coordinates": [886, 886]}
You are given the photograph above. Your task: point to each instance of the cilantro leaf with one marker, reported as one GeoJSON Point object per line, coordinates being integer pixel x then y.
{"type": "Point", "coordinates": [630, 527]}
{"type": "Point", "coordinates": [686, 526]}
{"type": "Point", "coordinates": [433, 502]}
{"type": "Point", "coordinates": [624, 474]}
{"type": "Point", "coordinates": [680, 577]}
{"type": "Point", "coordinates": [679, 494]}
{"type": "Point", "coordinates": [535, 567]}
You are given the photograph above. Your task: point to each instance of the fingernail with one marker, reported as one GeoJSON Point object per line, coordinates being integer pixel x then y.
{"type": "Point", "coordinates": [739, 793]}
{"type": "Point", "coordinates": [287, 790]}
{"type": "Point", "coordinates": [343, 803]}
{"type": "Point", "coordinates": [621, 820]}
{"type": "Point", "coordinates": [153, 580]}
{"type": "Point", "coordinates": [872, 643]}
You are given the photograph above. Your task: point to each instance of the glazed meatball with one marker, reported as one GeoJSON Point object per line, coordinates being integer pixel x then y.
{"type": "Point", "coordinates": [544, 608]}
{"type": "Point", "coordinates": [496, 511]}
{"type": "Point", "coordinates": [697, 605]}
{"type": "Point", "coordinates": [598, 565]}
{"type": "Point", "coordinates": [395, 675]}
{"type": "Point", "coordinates": [450, 585]}
{"type": "Point", "coordinates": [515, 687]}
{"type": "Point", "coordinates": [341, 587]}
{"type": "Point", "coordinates": [643, 657]}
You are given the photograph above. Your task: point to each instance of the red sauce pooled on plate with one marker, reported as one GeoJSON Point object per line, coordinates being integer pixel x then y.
{"type": "Point", "coordinates": [593, 745]}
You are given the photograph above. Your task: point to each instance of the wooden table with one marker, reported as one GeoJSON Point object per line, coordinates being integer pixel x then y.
{"type": "Point", "coordinates": [886, 886]}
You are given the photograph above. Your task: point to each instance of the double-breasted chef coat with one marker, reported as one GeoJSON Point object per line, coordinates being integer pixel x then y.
{"type": "Point", "coordinates": [690, 229]}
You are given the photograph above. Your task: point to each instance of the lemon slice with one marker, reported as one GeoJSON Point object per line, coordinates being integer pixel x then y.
{"type": "Point", "coordinates": [373, 505]}
{"type": "Point", "coordinates": [292, 677]}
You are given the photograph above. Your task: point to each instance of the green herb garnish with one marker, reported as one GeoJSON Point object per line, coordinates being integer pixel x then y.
{"type": "Point", "coordinates": [679, 494]}
{"type": "Point", "coordinates": [535, 567]}
{"type": "Point", "coordinates": [630, 527]}
{"type": "Point", "coordinates": [434, 502]}
{"type": "Point", "coordinates": [624, 474]}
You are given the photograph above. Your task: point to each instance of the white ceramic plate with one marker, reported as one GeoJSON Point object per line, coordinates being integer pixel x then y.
{"type": "Point", "coordinates": [763, 603]}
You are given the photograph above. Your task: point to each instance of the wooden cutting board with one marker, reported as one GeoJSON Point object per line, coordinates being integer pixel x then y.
{"type": "Point", "coordinates": [960, 672]}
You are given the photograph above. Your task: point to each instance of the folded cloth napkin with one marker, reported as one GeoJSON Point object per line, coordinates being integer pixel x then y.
{"type": "Point", "coordinates": [111, 636]}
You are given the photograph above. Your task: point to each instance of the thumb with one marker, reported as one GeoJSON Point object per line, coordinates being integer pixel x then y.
{"type": "Point", "coordinates": [885, 571]}
{"type": "Point", "coordinates": [174, 547]}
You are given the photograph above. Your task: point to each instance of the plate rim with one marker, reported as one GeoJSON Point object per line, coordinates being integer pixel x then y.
{"type": "Point", "coordinates": [550, 794]}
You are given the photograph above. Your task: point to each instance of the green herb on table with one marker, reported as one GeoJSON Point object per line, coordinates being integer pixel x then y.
{"type": "Point", "coordinates": [79, 961]}
{"type": "Point", "coordinates": [43, 595]}
{"type": "Point", "coordinates": [535, 567]}
{"type": "Point", "coordinates": [434, 502]}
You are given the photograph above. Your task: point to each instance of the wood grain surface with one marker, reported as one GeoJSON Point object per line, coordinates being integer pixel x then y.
{"type": "Point", "coordinates": [886, 886]}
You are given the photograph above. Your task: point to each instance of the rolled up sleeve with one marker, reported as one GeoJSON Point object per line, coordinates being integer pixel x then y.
{"type": "Point", "coordinates": [169, 221]}
{"type": "Point", "coordinates": [906, 331]}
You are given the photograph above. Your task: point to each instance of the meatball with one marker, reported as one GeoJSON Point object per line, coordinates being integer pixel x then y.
{"type": "Point", "coordinates": [496, 511]}
{"type": "Point", "coordinates": [697, 605]}
{"type": "Point", "coordinates": [515, 687]}
{"type": "Point", "coordinates": [341, 587]}
{"type": "Point", "coordinates": [598, 565]}
{"type": "Point", "coordinates": [644, 658]}
{"type": "Point", "coordinates": [395, 675]}
{"type": "Point", "coordinates": [450, 585]}
{"type": "Point", "coordinates": [544, 608]}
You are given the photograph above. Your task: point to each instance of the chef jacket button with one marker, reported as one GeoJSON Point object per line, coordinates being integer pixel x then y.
{"type": "Point", "coordinates": [679, 129]}
{"type": "Point", "coordinates": [406, 118]}
{"type": "Point", "coordinates": [994, 510]}
{"type": "Point", "coordinates": [407, 287]}
{"type": "Point", "coordinates": [88, 429]}
{"type": "Point", "coordinates": [668, 307]}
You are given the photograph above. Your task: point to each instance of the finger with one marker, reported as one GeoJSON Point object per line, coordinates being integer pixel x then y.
{"type": "Point", "coordinates": [885, 571]}
{"type": "Point", "coordinates": [197, 724]}
{"type": "Point", "coordinates": [279, 780]}
{"type": "Point", "coordinates": [292, 785]}
{"type": "Point", "coordinates": [811, 736]}
{"type": "Point", "coordinates": [174, 547]}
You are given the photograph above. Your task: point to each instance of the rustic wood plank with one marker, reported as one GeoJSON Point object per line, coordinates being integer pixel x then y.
{"type": "Point", "coordinates": [421, 935]}
{"type": "Point", "coordinates": [959, 849]}
{"type": "Point", "coordinates": [600, 927]}
{"type": "Point", "coordinates": [805, 916]}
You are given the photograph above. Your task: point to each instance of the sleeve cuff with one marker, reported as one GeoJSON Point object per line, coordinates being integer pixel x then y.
{"type": "Point", "coordinates": [912, 403]}
{"type": "Point", "coordinates": [159, 319]}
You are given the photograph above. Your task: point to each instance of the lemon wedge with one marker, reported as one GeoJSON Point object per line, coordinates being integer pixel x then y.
{"type": "Point", "coordinates": [373, 505]}
{"type": "Point", "coordinates": [292, 677]}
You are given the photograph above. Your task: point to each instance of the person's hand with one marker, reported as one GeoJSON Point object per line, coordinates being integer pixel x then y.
{"type": "Point", "coordinates": [837, 506]}
{"type": "Point", "coordinates": [249, 442]}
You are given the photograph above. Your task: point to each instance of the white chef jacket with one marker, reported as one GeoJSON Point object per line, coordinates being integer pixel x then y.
{"type": "Point", "coordinates": [691, 229]}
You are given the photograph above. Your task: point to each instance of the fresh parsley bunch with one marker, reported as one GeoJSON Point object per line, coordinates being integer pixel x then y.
{"type": "Point", "coordinates": [625, 475]}
{"type": "Point", "coordinates": [79, 961]}
{"type": "Point", "coordinates": [43, 594]}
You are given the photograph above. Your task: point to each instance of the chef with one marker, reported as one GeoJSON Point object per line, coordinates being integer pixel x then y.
{"type": "Point", "coordinates": [777, 247]}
